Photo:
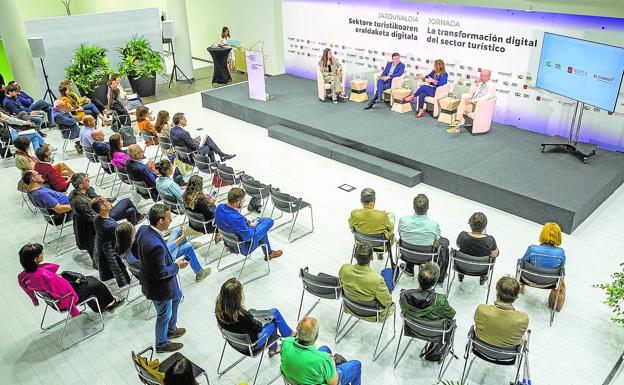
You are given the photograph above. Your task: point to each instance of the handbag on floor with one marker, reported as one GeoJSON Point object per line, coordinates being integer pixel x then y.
{"type": "Point", "coordinates": [560, 300]}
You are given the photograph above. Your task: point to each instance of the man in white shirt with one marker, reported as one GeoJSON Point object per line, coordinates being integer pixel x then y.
{"type": "Point", "coordinates": [482, 90]}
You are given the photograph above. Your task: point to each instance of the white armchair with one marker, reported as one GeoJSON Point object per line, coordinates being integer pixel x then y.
{"type": "Point", "coordinates": [479, 120]}
{"type": "Point", "coordinates": [324, 87]}
{"type": "Point", "coordinates": [396, 83]}
{"type": "Point", "coordinates": [434, 101]}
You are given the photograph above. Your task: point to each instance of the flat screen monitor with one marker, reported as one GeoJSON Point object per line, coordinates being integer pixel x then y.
{"type": "Point", "coordinates": [582, 70]}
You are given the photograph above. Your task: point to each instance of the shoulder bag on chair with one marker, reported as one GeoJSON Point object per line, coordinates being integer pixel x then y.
{"type": "Point", "coordinates": [560, 300]}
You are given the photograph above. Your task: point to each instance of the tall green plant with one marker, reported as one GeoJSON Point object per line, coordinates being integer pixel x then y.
{"type": "Point", "coordinates": [615, 295]}
{"type": "Point", "coordinates": [88, 67]}
{"type": "Point", "coordinates": [139, 59]}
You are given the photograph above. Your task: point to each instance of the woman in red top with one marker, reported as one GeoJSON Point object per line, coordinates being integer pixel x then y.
{"type": "Point", "coordinates": [39, 276]}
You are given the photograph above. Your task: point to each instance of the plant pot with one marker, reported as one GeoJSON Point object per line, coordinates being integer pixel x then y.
{"type": "Point", "coordinates": [100, 93]}
{"type": "Point", "coordinates": [144, 85]}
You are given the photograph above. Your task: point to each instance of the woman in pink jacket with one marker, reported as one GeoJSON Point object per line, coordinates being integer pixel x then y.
{"type": "Point", "coordinates": [39, 276]}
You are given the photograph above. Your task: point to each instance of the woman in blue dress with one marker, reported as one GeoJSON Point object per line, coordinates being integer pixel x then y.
{"type": "Point", "coordinates": [436, 78]}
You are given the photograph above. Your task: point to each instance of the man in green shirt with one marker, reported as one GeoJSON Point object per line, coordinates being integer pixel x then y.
{"type": "Point", "coordinates": [304, 364]}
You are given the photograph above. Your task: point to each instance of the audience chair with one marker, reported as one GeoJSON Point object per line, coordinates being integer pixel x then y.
{"type": "Point", "coordinates": [143, 190]}
{"type": "Point", "coordinates": [228, 175]}
{"type": "Point", "coordinates": [470, 265]}
{"type": "Point", "coordinates": [165, 145]}
{"type": "Point", "coordinates": [176, 207]}
{"type": "Point", "coordinates": [27, 203]}
{"type": "Point", "coordinates": [147, 138]}
{"type": "Point", "coordinates": [53, 304]}
{"type": "Point", "coordinates": [255, 189]}
{"type": "Point", "coordinates": [323, 286]}
{"type": "Point", "coordinates": [415, 254]}
{"type": "Point", "coordinates": [291, 205]}
{"type": "Point", "coordinates": [58, 221]}
{"type": "Point", "coordinates": [8, 146]}
{"type": "Point", "coordinates": [206, 166]}
{"type": "Point", "coordinates": [186, 156]}
{"type": "Point", "coordinates": [243, 344]}
{"type": "Point", "coordinates": [504, 356]}
{"type": "Point", "coordinates": [92, 158]}
{"type": "Point", "coordinates": [479, 121]}
{"type": "Point", "coordinates": [119, 121]}
{"type": "Point", "coordinates": [378, 242]}
{"type": "Point", "coordinates": [122, 174]}
{"type": "Point", "coordinates": [541, 278]}
{"type": "Point", "coordinates": [148, 378]}
{"type": "Point", "coordinates": [107, 167]}
{"type": "Point", "coordinates": [65, 134]}
{"type": "Point", "coordinates": [359, 310]}
{"type": "Point", "coordinates": [235, 245]}
{"type": "Point", "coordinates": [196, 222]}
{"type": "Point", "coordinates": [442, 331]}
{"type": "Point", "coordinates": [433, 102]}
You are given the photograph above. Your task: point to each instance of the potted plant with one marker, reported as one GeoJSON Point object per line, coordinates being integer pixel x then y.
{"type": "Point", "coordinates": [140, 63]}
{"type": "Point", "coordinates": [89, 71]}
{"type": "Point", "coordinates": [615, 295]}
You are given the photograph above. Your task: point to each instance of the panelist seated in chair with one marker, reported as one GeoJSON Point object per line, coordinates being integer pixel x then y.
{"type": "Point", "coordinates": [259, 325]}
{"type": "Point", "coordinates": [483, 89]}
{"type": "Point", "coordinates": [359, 282]}
{"type": "Point", "coordinates": [477, 242]}
{"type": "Point", "coordinates": [424, 303]}
{"type": "Point", "coordinates": [332, 74]}
{"type": "Point", "coordinates": [392, 70]}
{"type": "Point", "coordinates": [303, 363]}
{"type": "Point", "coordinates": [181, 137]}
{"type": "Point", "coordinates": [42, 276]}
{"type": "Point", "coordinates": [436, 78]}
{"type": "Point", "coordinates": [55, 202]}
{"type": "Point", "coordinates": [67, 123]}
{"type": "Point", "coordinates": [229, 219]}
{"type": "Point", "coordinates": [500, 324]}
{"type": "Point", "coordinates": [369, 220]}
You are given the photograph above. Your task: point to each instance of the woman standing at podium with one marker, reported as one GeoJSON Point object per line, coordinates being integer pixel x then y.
{"type": "Point", "coordinates": [223, 42]}
{"type": "Point", "coordinates": [436, 78]}
{"type": "Point", "coordinates": [332, 74]}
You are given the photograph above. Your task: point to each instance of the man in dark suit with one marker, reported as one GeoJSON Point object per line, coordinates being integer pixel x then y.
{"type": "Point", "coordinates": [100, 146]}
{"type": "Point", "coordinates": [393, 69]}
{"type": "Point", "coordinates": [137, 171]}
{"type": "Point", "coordinates": [181, 137]}
{"type": "Point", "coordinates": [159, 280]}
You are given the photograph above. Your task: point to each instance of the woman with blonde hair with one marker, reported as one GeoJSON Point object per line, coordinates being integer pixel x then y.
{"type": "Point", "coordinates": [332, 74]}
{"type": "Point", "coordinates": [548, 254]}
{"type": "Point", "coordinates": [259, 325]}
{"type": "Point", "coordinates": [436, 78]}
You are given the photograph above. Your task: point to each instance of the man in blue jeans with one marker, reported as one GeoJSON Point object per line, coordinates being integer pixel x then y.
{"type": "Point", "coordinates": [28, 102]}
{"type": "Point", "coordinates": [229, 219]}
{"type": "Point", "coordinates": [303, 363]}
{"type": "Point", "coordinates": [159, 281]}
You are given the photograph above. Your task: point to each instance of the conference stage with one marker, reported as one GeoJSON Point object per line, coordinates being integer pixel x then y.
{"type": "Point", "coordinates": [503, 169]}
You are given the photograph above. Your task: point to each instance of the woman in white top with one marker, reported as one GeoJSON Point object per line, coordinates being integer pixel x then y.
{"type": "Point", "coordinates": [223, 42]}
{"type": "Point", "coordinates": [130, 104]}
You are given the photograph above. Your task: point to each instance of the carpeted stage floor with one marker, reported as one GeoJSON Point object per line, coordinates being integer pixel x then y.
{"type": "Point", "coordinates": [504, 169]}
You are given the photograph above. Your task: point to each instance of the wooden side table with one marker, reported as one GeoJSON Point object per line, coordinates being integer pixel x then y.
{"type": "Point", "coordinates": [398, 105]}
{"type": "Point", "coordinates": [358, 90]}
{"type": "Point", "coordinates": [448, 109]}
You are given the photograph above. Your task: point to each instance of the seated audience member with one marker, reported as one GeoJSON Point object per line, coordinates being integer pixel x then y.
{"type": "Point", "coordinates": [500, 324]}
{"type": "Point", "coordinates": [43, 197]}
{"type": "Point", "coordinates": [55, 176]}
{"type": "Point", "coordinates": [80, 105]}
{"type": "Point", "coordinates": [181, 137]}
{"type": "Point", "coordinates": [14, 106]}
{"type": "Point", "coordinates": [477, 243]}
{"type": "Point", "coordinates": [368, 220]}
{"type": "Point", "coordinates": [114, 83]}
{"type": "Point", "coordinates": [424, 303]}
{"type": "Point", "coordinates": [180, 373]}
{"type": "Point", "coordinates": [392, 70]}
{"type": "Point", "coordinates": [165, 184]}
{"type": "Point", "coordinates": [119, 157]}
{"type": "Point", "coordinates": [436, 78]}
{"type": "Point", "coordinates": [180, 247]}
{"type": "Point", "coordinates": [196, 201]}
{"type": "Point", "coordinates": [229, 219]}
{"type": "Point", "coordinates": [145, 126]}
{"type": "Point", "coordinates": [108, 262]}
{"type": "Point", "coordinates": [80, 200]}
{"type": "Point", "coordinates": [303, 363]}
{"type": "Point", "coordinates": [29, 102]}
{"type": "Point", "coordinates": [124, 236]}
{"type": "Point", "coordinates": [2, 90]}
{"type": "Point", "coordinates": [115, 105]}
{"type": "Point", "coordinates": [332, 74]}
{"type": "Point", "coordinates": [420, 230]}
{"type": "Point", "coordinates": [23, 160]}
{"type": "Point", "coordinates": [361, 283]}
{"type": "Point", "coordinates": [162, 124]}
{"type": "Point", "coordinates": [482, 90]}
{"type": "Point", "coordinates": [259, 325]}
{"type": "Point", "coordinates": [67, 123]}
{"type": "Point", "coordinates": [139, 171]}
{"type": "Point", "coordinates": [88, 126]}
{"type": "Point", "coordinates": [548, 254]}
{"type": "Point", "coordinates": [100, 147]}
{"type": "Point", "coordinates": [42, 276]}
{"type": "Point", "coordinates": [17, 128]}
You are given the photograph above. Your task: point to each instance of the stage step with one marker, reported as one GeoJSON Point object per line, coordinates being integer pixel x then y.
{"type": "Point", "coordinates": [386, 169]}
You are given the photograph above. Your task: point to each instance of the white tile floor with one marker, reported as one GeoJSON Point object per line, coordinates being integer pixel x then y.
{"type": "Point", "coordinates": [579, 348]}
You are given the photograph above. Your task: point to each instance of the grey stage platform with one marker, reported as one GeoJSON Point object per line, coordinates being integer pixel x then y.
{"type": "Point", "coordinates": [503, 169]}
